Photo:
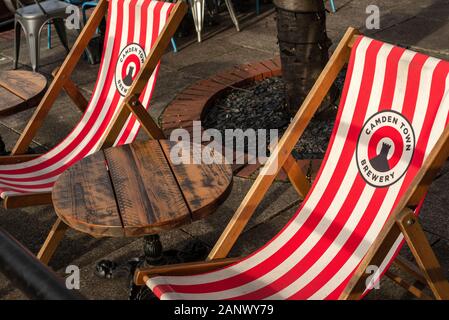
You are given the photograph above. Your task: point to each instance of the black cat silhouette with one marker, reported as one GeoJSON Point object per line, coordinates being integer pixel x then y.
{"type": "Point", "coordinates": [380, 162]}
{"type": "Point", "coordinates": [128, 80]}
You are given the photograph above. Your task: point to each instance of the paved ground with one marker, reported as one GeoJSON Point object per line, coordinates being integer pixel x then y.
{"type": "Point", "coordinates": [419, 24]}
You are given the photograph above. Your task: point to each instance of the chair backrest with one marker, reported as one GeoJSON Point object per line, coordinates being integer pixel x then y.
{"type": "Point", "coordinates": [132, 28]}
{"type": "Point", "coordinates": [394, 107]}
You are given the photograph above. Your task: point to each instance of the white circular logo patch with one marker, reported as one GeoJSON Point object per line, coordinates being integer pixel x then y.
{"type": "Point", "coordinates": [385, 148]}
{"type": "Point", "coordinates": [130, 60]}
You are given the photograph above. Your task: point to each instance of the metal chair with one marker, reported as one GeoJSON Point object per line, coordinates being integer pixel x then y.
{"type": "Point", "coordinates": [197, 7]}
{"type": "Point", "coordinates": [90, 4]}
{"type": "Point", "coordinates": [333, 7]}
{"type": "Point", "coordinates": [32, 18]}
{"type": "Point", "coordinates": [75, 2]}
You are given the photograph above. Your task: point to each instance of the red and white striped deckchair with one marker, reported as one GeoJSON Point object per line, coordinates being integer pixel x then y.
{"type": "Point", "coordinates": [137, 34]}
{"type": "Point", "coordinates": [389, 139]}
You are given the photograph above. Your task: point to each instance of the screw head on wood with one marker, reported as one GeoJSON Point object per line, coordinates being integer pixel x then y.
{"type": "Point", "coordinates": [410, 221]}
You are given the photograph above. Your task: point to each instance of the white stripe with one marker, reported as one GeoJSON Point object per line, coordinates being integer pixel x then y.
{"type": "Point", "coordinates": [92, 106]}
{"type": "Point", "coordinates": [435, 134]}
{"type": "Point", "coordinates": [147, 49]}
{"type": "Point", "coordinates": [388, 258]}
{"type": "Point", "coordinates": [93, 130]}
{"type": "Point", "coordinates": [312, 201]}
{"type": "Point", "coordinates": [401, 80]}
{"type": "Point", "coordinates": [440, 119]}
{"type": "Point", "coordinates": [389, 200]}
{"type": "Point", "coordinates": [73, 153]}
{"type": "Point", "coordinates": [362, 203]}
{"type": "Point", "coordinates": [424, 93]}
{"type": "Point", "coordinates": [149, 88]}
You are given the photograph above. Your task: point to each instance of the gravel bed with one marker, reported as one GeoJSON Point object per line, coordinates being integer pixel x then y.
{"type": "Point", "coordinates": [261, 106]}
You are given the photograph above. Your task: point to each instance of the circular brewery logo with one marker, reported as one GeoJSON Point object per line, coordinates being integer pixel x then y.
{"type": "Point", "coordinates": [385, 148]}
{"type": "Point", "coordinates": [128, 65]}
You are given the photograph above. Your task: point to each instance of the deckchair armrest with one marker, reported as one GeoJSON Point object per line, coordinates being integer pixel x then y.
{"type": "Point", "coordinates": [181, 269]}
{"type": "Point", "coordinates": [17, 158]}
{"type": "Point", "coordinates": [73, 92]}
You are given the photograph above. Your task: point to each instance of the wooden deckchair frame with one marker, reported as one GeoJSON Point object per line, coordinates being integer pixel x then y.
{"type": "Point", "coordinates": [402, 220]}
{"type": "Point", "coordinates": [62, 80]}
{"type": "Point", "coordinates": [130, 104]}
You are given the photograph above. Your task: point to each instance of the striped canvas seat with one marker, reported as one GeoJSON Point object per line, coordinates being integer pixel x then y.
{"type": "Point", "coordinates": [132, 29]}
{"type": "Point", "coordinates": [394, 107]}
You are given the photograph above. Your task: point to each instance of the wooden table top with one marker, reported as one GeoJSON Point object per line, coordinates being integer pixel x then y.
{"type": "Point", "coordinates": [20, 90]}
{"type": "Point", "coordinates": [135, 190]}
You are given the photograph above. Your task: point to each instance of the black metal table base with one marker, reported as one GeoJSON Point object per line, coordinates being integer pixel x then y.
{"type": "Point", "coordinates": [154, 255]}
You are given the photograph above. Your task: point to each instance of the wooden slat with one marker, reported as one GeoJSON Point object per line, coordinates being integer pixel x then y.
{"type": "Point", "coordinates": [18, 158]}
{"type": "Point", "coordinates": [73, 92]}
{"type": "Point", "coordinates": [424, 255]}
{"type": "Point", "coordinates": [407, 286]}
{"type": "Point", "coordinates": [83, 198]}
{"type": "Point", "coordinates": [147, 194]}
{"type": "Point", "coordinates": [296, 176]}
{"type": "Point", "coordinates": [409, 268]}
{"type": "Point", "coordinates": [204, 186]}
{"type": "Point", "coordinates": [141, 275]}
{"type": "Point", "coordinates": [52, 241]}
{"type": "Point", "coordinates": [26, 200]}
{"type": "Point", "coordinates": [145, 119]}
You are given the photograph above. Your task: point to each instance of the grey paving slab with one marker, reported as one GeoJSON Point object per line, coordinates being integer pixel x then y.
{"type": "Point", "coordinates": [10, 137]}
{"type": "Point", "coordinates": [226, 61]}
{"type": "Point", "coordinates": [278, 197]}
{"type": "Point", "coordinates": [260, 35]}
{"type": "Point", "coordinates": [59, 122]}
{"type": "Point", "coordinates": [94, 287]}
{"type": "Point", "coordinates": [434, 217]}
{"type": "Point", "coordinates": [422, 25]}
{"type": "Point", "coordinates": [196, 53]}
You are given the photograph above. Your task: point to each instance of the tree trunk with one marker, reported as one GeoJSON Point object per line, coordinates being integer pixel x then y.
{"type": "Point", "coordinates": [303, 45]}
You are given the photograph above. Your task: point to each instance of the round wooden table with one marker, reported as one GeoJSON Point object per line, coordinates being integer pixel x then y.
{"type": "Point", "coordinates": [20, 90]}
{"type": "Point", "coordinates": [136, 190]}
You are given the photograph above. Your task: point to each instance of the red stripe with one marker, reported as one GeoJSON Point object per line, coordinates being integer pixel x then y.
{"type": "Point", "coordinates": [386, 99]}
{"type": "Point", "coordinates": [412, 89]}
{"type": "Point", "coordinates": [142, 41]}
{"type": "Point", "coordinates": [377, 199]}
{"type": "Point", "coordinates": [159, 290]}
{"type": "Point", "coordinates": [327, 198]}
{"type": "Point", "coordinates": [91, 121]}
{"type": "Point", "coordinates": [437, 91]}
{"type": "Point", "coordinates": [132, 119]}
{"type": "Point", "coordinates": [87, 149]}
{"type": "Point", "coordinates": [379, 195]}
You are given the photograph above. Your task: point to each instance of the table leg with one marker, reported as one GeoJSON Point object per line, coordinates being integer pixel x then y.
{"type": "Point", "coordinates": [3, 151]}
{"type": "Point", "coordinates": [153, 255]}
{"type": "Point", "coordinates": [152, 249]}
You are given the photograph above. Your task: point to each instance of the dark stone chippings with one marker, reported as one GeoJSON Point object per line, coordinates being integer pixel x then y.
{"type": "Point", "coordinates": [261, 106]}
